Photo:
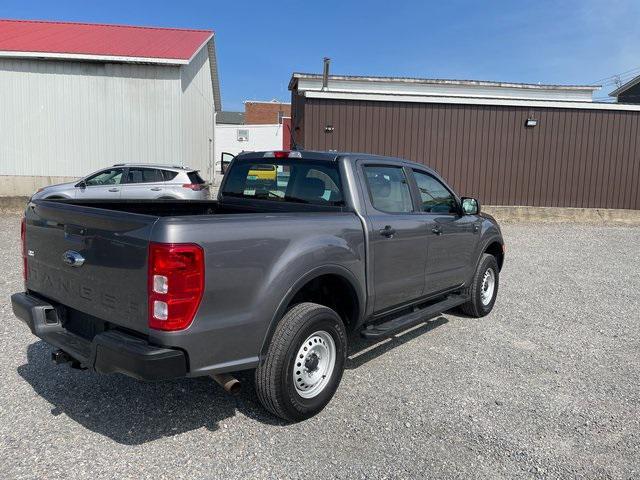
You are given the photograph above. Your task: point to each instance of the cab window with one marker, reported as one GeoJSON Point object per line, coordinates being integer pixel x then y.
{"type": "Point", "coordinates": [434, 196]}
{"type": "Point", "coordinates": [388, 189]}
{"type": "Point", "coordinates": [285, 180]}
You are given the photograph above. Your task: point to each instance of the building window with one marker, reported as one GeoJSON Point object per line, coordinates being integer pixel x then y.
{"type": "Point", "coordinates": [243, 135]}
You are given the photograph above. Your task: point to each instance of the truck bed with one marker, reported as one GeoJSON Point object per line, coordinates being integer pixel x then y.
{"type": "Point", "coordinates": [253, 255]}
{"type": "Point", "coordinates": [177, 208]}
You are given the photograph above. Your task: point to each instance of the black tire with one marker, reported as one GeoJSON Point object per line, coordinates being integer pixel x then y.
{"type": "Point", "coordinates": [274, 380]}
{"type": "Point", "coordinates": [475, 307]}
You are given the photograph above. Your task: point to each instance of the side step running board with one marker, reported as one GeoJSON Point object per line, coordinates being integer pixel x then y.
{"type": "Point", "coordinates": [413, 318]}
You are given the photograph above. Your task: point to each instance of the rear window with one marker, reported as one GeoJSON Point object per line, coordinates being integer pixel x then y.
{"type": "Point", "coordinates": [285, 180]}
{"type": "Point", "coordinates": [169, 175]}
{"type": "Point", "coordinates": [195, 177]}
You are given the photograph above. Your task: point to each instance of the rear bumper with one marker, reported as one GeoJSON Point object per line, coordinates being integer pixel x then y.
{"type": "Point", "coordinates": [109, 352]}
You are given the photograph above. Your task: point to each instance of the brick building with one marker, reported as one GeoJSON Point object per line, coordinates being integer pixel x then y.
{"type": "Point", "coordinates": [265, 113]}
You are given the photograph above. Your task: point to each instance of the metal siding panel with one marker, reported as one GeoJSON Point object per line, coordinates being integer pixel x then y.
{"type": "Point", "coordinates": [569, 159]}
{"type": "Point", "coordinates": [635, 160]}
{"type": "Point", "coordinates": [481, 163]}
{"type": "Point", "coordinates": [591, 163]}
{"type": "Point", "coordinates": [612, 182]}
{"type": "Point", "coordinates": [632, 187]}
{"type": "Point", "coordinates": [618, 167]}
{"type": "Point", "coordinates": [608, 147]}
{"type": "Point", "coordinates": [454, 150]}
{"type": "Point", "coordinates": [583, 155]}
{"type": "Point", "coordinates": [70, 118]}
{"type": "Point", "coordinates": [488, 168]}
{"type": "Point", "coordinates": [626, 167]}
{"type": "Point", "coordinates": [465, 152]}
{"type": "Point", "coordinates": [574, 171]}
{"type": "Point", "coordinates": [546, 125]}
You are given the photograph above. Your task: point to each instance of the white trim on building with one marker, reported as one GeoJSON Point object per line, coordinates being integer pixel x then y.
{"type": "Point", "coordinates": [346, 95]}
{"type": "Point", "coordinates": [444, 91]}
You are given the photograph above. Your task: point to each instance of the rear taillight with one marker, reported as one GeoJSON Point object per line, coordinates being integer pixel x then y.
{"type": "Point", "coordinates": [175, 284]}
{"type": "Point", "coordinates": [195, 186]}
{"type": "Point", "coordinates": [23, 240]}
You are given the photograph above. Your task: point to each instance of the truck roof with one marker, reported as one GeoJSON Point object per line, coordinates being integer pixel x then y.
{"type": "Point", "coordinates": [332, 156]}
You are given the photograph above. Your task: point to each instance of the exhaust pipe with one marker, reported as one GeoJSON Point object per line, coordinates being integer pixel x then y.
{"type": "Point", "coordinates": [325, 73]}
{"type": "Point", "coordinates": [230, 383]}
{"type": "Point", "coordinates": [60, 356]}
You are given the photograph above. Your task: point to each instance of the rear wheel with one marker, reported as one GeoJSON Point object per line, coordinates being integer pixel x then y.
{"type": "Point", "coordinates": [483, 288]}
{"type": "Point", "coordinates": [304, 364]}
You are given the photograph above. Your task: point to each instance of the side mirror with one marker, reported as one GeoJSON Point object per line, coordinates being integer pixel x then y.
{"type": "Point", "coordinates": [470, 206]}
{"type": "Point", "coordinates": [81, 184]}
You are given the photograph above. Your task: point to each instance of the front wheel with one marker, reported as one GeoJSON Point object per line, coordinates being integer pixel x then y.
{"type": "Point", "coordinates": [483, 288]}
{"type": "Point", "coordinates": [304, 364]}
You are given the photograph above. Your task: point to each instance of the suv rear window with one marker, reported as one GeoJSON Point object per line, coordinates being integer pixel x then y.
{"type": "Point", "coordinates": [195, 177]}
{"type": "Point", "coordinates": [285, 180]}
{"type": "Point", "coordinates": [169, 175]}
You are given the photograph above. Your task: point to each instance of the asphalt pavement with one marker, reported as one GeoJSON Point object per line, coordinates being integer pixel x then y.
{"type": "Point", "coordinates": [547, 386]}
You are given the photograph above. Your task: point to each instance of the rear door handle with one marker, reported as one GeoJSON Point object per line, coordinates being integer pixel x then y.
{"type": "Point", "coordinates": [387, 231]}
{"type": "Point", "coordinates": [114, 189]}
{"type": "Point", "coordinates": [437, 230]}
{"type": "Point", "coordinates": [156, 189]}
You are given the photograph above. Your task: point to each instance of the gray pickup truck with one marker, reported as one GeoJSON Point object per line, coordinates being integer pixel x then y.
{"type": "Point", "coordinates": [299, 250]}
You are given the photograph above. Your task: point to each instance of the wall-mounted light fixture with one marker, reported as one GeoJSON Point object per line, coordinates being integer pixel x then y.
{"type": "Point", "coordinates": [328, 129]}
{"type": "Point", "coordinates": [531, 122]}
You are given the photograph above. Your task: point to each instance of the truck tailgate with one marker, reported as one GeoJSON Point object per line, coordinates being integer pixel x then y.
{"type": "Point", "coordinates": [92, 260]}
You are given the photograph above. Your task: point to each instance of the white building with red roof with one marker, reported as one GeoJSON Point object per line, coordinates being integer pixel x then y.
{"type": "Point", "coordinates": [77, 97]}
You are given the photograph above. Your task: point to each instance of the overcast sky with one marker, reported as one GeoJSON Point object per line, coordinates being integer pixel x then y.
{"type": "Point", "coordinates": [260, 43]}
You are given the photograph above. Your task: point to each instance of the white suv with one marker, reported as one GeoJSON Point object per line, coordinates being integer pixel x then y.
{"type": "Point", "coordinates": [133, 181]}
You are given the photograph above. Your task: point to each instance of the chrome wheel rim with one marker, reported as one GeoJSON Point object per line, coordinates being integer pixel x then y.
{"type": "Point", "coordinates": [314, 364]}
{"type": "Point", "coordinates": [488, 286]}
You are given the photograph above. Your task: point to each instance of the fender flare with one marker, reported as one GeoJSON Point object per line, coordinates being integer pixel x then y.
{"type": "Point", "coordinates": [301, 282]}
{"type": "Point", "coordinates": [485, 244]}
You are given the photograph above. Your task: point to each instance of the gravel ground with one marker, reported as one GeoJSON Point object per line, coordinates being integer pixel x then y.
{"type": "Point", "coordinates": [547, 386]}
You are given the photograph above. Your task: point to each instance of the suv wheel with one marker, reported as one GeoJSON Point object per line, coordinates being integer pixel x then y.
{"type": "Point", "coordinates": [483, 288]}
{"type": "Point", "coordinates": [304, 364]}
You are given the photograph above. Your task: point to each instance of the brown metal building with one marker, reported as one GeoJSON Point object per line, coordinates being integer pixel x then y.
{"type": "Point", "coordinates": [506, 144]}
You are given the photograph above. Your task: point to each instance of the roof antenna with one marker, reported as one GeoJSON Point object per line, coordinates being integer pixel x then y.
{"type": "Point", "coordinates": [325, 74]}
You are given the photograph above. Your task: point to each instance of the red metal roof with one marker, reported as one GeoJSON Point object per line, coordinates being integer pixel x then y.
{"type": "Point", "coordinates": [86, 39]}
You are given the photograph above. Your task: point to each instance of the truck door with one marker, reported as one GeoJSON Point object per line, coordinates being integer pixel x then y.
{"type": "Point", "coordinates": [451, 237]}
{"type": "Point", "coordinates": [396, 235]}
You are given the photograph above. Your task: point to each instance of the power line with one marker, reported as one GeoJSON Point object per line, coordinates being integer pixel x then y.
{"type": "Point", "coordinates": [617, 75]}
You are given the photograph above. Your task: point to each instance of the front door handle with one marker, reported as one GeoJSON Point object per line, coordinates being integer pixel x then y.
{"type": "Point", "coordinates": [387, 231]}
{"type": "Point", "coordinates": [156, 189]}
{"type": "Point", "coordinates": [114, 189]}
{"type": "Point", "coordinates": [437, 230]}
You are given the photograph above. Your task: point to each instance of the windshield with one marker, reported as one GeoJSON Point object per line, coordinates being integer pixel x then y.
{"type": "Point", "coordinates": [285, 180]}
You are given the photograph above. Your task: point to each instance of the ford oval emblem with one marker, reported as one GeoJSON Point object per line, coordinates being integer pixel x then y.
{"type": "Point", "coordinates": [72, 258]}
